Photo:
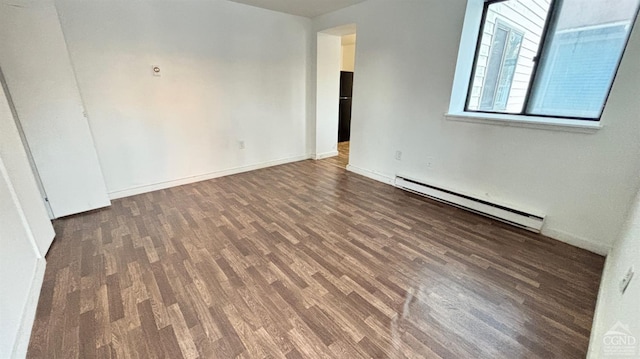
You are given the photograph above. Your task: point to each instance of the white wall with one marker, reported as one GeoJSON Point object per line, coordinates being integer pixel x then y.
{"type": "Point", "coordinates": [348, 56]}
{"type": "Point", "coordinates": [613, 306]}
{"type": "Point", "coordinates": [23, 224]}
{"type": "Point", "coordinates": [327, 94]}
{"type": "Point", "coordinates": [230, 73]}
{"type": "Point", "coordinates": [406, 55]}
{"type": "Point", "coordinates": [36, 65]}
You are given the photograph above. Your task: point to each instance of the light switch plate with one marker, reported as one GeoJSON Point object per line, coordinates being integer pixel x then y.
{"type": "Point", "coordinates": [624, 283]}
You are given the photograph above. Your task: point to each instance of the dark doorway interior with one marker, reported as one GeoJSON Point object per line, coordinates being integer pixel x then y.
{"type": "Point", "coordinates": [344, 119]}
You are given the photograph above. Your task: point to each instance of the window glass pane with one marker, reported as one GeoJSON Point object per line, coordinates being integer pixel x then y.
{"type": "Point", "coordinates": [493, 68]}
{"type": "Point", "coordinates": [581, 57]}
{"type": "Point", "coordinates": [504, 64]}
{"type": "Point", "coordinates": [508, 71]}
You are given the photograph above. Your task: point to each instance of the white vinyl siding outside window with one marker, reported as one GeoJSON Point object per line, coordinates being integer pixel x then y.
{"type": "Point", "coordinates": [549, 58]}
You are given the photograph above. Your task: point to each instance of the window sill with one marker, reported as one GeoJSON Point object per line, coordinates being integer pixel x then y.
{"type": "Point", "coordinates": [542, 123]}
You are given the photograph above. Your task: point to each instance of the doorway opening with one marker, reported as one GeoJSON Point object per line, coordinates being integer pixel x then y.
{"type": "Point", "coordinates": [347, 69]}
{"type": "Point", "coordinates": [335, 76]}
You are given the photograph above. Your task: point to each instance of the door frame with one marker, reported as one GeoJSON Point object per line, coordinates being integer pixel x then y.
{"type": "Point", "coordinates": [328, 61]}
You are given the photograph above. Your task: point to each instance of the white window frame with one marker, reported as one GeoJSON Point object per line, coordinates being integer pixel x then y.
{"type": "Point", "coordinates": [461, 85]}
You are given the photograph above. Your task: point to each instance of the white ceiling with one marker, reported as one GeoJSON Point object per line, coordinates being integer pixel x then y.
{"type": "Point", "coordinates": [306, 8]}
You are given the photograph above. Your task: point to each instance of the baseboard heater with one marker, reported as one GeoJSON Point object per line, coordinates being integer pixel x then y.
{"type": "Point", "coordinates": [516, 217]}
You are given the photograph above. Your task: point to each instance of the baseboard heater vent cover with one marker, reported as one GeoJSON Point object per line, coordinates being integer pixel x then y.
{"type": "Point", "coordinates": [516, 217]}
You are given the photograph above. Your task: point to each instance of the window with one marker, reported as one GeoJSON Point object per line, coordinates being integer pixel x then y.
{"type": "Point", "coordinates": [501, 66]}
{"type": "Point", "coordinates": [549, 58]}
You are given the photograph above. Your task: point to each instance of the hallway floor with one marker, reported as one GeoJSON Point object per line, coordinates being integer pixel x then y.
{"type": "Point", "coordinates": [342, 159]}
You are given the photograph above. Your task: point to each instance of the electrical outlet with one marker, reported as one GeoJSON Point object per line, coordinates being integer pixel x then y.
{"type": "Point", "coordinates": [399, 155]}
{"type": "Point", "coordinates": [241, 144]}
{"type": "Point", "coordinates": [624, 283]}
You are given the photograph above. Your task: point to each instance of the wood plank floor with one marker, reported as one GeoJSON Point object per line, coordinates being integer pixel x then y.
{"type": "Point", "coordinates": [306, 260]}
{"type": "Point", "coordinates": [342, 159]}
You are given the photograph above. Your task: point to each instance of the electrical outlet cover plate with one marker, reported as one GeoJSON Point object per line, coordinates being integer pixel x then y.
{"type": "Point", "coordinates": [626, 280]}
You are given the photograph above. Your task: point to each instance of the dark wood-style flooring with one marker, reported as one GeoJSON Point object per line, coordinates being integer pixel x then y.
{"type": "Point", "coordinates": [306, 260]}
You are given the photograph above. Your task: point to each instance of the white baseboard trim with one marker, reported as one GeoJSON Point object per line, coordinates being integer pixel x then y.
{"type": "Point", "coordinates": [370, 174]}
{"type": "Point", "coordinates": [598, 248]}
{"type": "Point", "coordinates": [28, 316]}
{"type": "Point", "coordinates": [182, 181]}
{"type": "Point", "coordinates": [320, 156]}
